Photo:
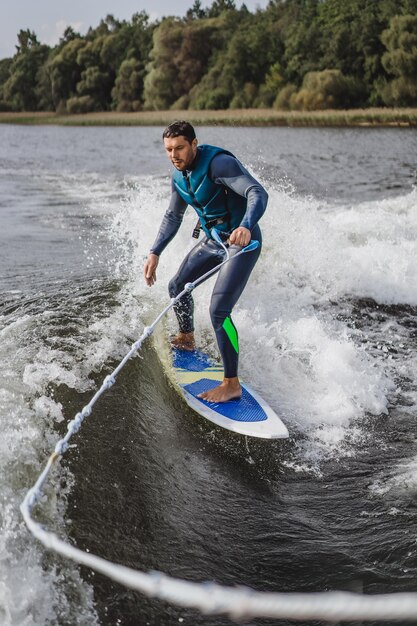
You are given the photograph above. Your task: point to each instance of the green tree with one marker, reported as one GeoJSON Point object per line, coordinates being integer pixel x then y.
{"type": "Point", "coordinates": [269, 90]}
{"type": "Point", "coordinates": [27, 40]}
{"type": "Point", "coordinates": [113, 50]}
{"type": "Point", "coordinates": [162, 86]}
{"type": "Point", "coordinates": [97, 78]}
{"type": "Point", "coordinates": [106, 26]}
{"type": "Point", "coordinates": [400, 60]}
{"type": "Point", "coordinates": [97, 84]}
{"type": "Point", "coordinates": [301, 37]}
{"type": "Point", "coordinates": [351, 39]}
{"type": "Point", "coordinates": [220, 6]}
{"type": "Point", "coordinates": [127, 53]}
{"type": "Point", "coordinates": [248, 48]}
{"type": "Point", "coordinates": [5, 65]}
{"type": "Point", "coordinates": [80, 104]}
{"type": "Point", "coordinates": [197, 45]}
{"type": "Point", "coordinates": [68, 35]}
{"type": "Point", "coordinates": [196, 12]}
{"type": "Point", "coordinates": [128, 89]}
{"type": "Point", "coordinates": [63, 72]}
{"type": "Point", "coordinates": [179, 60]}
{"type": "Point", "coordinates": [46, 88]}
{"type": "Point", "coordinates": [141, 37]}
{"type": "Point", "coordinates": [20, 87]}
{"type": "Point", "coordinates": [328, 89]}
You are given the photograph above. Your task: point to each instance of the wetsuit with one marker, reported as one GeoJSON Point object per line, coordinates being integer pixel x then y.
{"type": "Point", "coordinates": [224, 170]}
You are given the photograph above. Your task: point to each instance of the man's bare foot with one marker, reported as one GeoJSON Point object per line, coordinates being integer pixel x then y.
{"type": "Point", "coordinates": [229, 389]}
{"type": "Point", "coordinates": [184, 341]}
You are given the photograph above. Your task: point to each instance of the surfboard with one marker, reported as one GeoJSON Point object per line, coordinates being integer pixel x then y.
{"type": "Point", "coordinates": [195, 372]}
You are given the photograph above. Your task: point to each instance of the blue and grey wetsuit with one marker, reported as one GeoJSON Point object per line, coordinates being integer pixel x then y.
{"type": "Point", "coordinates": [224, 194]}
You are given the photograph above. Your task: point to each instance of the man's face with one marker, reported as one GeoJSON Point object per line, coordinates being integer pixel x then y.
{"type": "Point", "coordinates": [180, 151]}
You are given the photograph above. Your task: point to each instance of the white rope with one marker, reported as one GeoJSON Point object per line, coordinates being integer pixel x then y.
{"type": "Point", "coordinates": [211, 598]}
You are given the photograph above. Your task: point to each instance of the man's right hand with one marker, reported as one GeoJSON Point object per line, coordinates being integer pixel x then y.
{"type": "Point", "coordinates": [149, 271]}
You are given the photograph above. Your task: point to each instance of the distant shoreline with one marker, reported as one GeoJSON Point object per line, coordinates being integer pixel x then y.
{"type": "Point", "coordinates": [372, 117]}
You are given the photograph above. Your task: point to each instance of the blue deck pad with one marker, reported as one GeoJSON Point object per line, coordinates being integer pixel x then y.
{"type": "Point", "coordinates": [247, 409]}
{"type": "Point", "coordinates": [194, 361]}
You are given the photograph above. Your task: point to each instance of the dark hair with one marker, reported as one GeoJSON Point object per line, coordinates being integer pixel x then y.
{"type": "Point", "coordinates": [180, 129]}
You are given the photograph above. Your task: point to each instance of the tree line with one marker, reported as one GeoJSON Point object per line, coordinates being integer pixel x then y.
{"type": "Point", "coordinates": [295, 54]}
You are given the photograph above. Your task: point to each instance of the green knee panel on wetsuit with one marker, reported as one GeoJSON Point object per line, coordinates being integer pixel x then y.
{"type": "Point", "coordinates": [231, 332]}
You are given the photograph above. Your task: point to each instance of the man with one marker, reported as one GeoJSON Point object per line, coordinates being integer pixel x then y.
{"type": "Point", "coordinates": [227, 197]}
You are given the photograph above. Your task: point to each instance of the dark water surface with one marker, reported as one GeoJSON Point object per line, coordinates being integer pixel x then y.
{"type": "Point", "coordinates": [327, 329]}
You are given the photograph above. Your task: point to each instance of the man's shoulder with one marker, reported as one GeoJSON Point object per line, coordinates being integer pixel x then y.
{"type": "Point", "coordinates": [225, 157]}
{"type": "Point", "coordinates": [225, 165]}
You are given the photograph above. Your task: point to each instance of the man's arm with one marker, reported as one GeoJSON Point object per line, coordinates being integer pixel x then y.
{"type": "Point", "coordinates": [167, 231]}
{"type": "Point", "coordinates": [228, 171]}
{"type": "Point", "coordinates": [170, 222]}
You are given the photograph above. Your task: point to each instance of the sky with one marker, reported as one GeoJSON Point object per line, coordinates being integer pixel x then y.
{"type": "Point", "coordinates": [49, 18]}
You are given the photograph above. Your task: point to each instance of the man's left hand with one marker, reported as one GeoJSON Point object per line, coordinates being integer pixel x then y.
{"type": "Point", "coordinates": [241, 236]}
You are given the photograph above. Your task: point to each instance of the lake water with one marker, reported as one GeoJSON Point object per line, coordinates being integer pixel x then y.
{"type": "Point", "coordinates": [328, 328]}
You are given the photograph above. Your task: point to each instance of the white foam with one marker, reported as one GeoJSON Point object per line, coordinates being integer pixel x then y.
{"type": "Point", "coordinates": [380, 248]}
{"type": "Point", "coordinates": [30, 594]}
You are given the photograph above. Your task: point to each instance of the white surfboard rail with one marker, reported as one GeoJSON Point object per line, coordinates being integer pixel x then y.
{"type": "Point", "coordinates": [210, 598]}
{"type": "Point", "coordinates": [185, 369]}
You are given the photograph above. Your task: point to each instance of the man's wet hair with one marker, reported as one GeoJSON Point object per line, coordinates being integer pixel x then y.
{"type": "Point", "coordinates": [179, 129]}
